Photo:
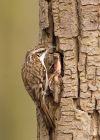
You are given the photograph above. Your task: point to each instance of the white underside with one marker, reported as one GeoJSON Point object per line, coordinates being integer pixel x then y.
{"type": "Point", "coordinates": [42, 61]}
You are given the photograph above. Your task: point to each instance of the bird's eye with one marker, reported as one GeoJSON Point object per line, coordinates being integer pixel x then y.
{"type": "Point", "coordinates": [38, 54]}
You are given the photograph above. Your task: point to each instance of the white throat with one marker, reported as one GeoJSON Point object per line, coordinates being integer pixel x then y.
{"type": "Point", "coordinates": [42, 57]}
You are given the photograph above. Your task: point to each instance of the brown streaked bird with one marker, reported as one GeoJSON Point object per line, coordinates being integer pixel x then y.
{"type": "Point", "coordinates": [35, 78]}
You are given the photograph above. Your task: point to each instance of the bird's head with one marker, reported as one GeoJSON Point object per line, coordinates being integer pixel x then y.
{"type": "Point", "coordinates": [38, 53]}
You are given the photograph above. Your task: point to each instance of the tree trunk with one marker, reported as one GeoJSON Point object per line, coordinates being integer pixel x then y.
{"type": "Point", "coordinates": [73, 27]}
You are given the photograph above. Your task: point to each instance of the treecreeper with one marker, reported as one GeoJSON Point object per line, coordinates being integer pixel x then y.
{"type": "Point", "coordinates": [41, 75]}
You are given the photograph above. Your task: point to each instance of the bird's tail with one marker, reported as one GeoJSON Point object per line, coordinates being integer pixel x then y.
{"type": "Point", "coordinates": [47, 117]}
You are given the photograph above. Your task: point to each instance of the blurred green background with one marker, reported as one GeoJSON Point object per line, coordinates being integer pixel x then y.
{"type": "Point", "coordinates": [18, 33]}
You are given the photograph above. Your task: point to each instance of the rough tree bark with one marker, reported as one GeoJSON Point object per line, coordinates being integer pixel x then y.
{"type": "Point", "coordinates": [73, 27]}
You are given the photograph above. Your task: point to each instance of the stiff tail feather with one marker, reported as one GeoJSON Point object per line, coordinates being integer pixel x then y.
{"type": "Point", "coordinates": [47, 117]}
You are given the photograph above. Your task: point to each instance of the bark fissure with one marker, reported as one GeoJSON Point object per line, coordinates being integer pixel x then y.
{"type": "Point", "coordinates": [78, 54]}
